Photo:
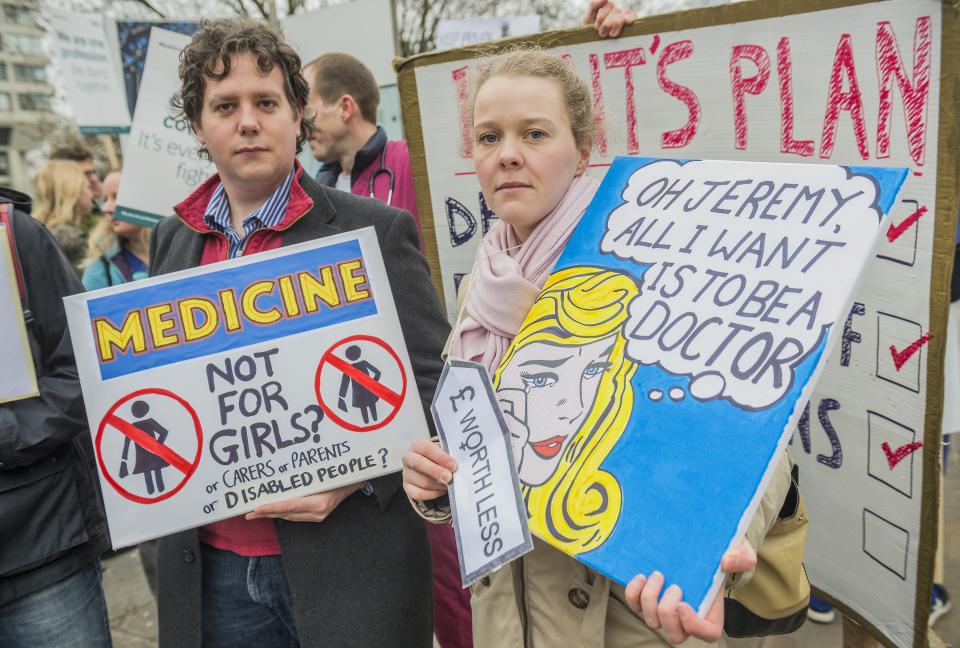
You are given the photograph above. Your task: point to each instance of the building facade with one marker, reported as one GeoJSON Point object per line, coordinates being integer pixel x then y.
{"type": "Point", "coordinates": [26, 96]}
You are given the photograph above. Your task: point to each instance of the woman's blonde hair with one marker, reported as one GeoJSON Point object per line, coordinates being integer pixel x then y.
{"type": "Point", "coordinates": [578, 506]}
{"type": "Point", "coordinates": [526, 60]}
{"type": "Point", "coordinates": [57, 189]}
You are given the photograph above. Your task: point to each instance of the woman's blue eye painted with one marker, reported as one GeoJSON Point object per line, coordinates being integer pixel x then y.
{"type": "Point", "coordinates": [538, 380]}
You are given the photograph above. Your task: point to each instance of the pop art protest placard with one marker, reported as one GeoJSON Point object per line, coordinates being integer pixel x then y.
{"type": "Point", "coordinates": [214, 390]}
{"type": "Point", "coordinates": [658, 377]}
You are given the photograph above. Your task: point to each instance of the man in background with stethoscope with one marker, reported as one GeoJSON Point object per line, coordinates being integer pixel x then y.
{"type": "Point", "coordinates": [355, 152]}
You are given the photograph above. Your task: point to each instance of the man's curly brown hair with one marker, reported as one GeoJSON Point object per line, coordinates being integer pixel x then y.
{"type": "Point", "coordinates": [218, 42]}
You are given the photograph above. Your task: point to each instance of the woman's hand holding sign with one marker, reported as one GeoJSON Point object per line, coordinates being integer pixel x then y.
{"type": "Point", "coordinates": [427, 470]}
{"type": "Point", "coordinates": [677, 620]}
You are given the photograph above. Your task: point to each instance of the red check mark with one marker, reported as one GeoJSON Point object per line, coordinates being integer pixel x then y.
{"type": "Point", "coordinates": [900, 358]}
{"type": "Point", "coordinates": [896, 456]}
{"type": "Point", "coordinates": [895, 231]}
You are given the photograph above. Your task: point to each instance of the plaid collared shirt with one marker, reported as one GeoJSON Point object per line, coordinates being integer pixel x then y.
{"type": "Point", "coordinates": [269, 214]}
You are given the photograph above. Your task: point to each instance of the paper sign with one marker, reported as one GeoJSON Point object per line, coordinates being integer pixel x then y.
{"type": "Point", "coordinates": [89, 71]}
{"type": "Point", "coordinates": [214, 390]}
{"type": "Point", "coordinates": [162, 165]}
{"type": "Point", "coordinates": [458, 33]}
{"type": "Point", "coordinates": [133, 40]}
{"type": "Point", "coordinates": [658, 378]}
{"type": "Point", "coordinates": [18, 378]}
{"type": "Point", "coordinates": [488, 515]}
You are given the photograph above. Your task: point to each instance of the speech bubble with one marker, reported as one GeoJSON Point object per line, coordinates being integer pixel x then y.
{"type": "Point", "coordinates": [748, 271]}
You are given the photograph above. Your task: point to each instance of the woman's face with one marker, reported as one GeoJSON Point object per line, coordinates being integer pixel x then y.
{"type": "Point", "coordinates": [524, 152]}
{"type": "Point", "coordinates": [561, 384]}
{"type": "Point", "coordinates": [111, 185]}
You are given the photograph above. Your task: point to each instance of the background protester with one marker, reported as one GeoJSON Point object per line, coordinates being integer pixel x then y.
{"type": "Point", "coordinates": [117, 251]}
{"type": "Point", "coordinates": [81, 155]}
{"type": "Point", "coordinates": [532, 140]}
{"type": "Point", "coordinates": [356, 155]}
{"type": "Point", "coordinates": [358, 158]}
{"type": "Point", "coordinates": [349, 566]}
{"type": "Point", "coordinates": [51, 515]}
{"type": "Point", "coordinates": [63, 199]}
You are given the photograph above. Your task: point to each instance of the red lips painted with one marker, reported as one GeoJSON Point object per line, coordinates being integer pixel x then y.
{"type": "Point", "coordinates": [548, 448]}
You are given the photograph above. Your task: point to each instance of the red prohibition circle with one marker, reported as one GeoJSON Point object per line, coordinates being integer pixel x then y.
{"type": "Point", "coordinates": [329, 410]}
{"type": "Point", "coordinates": [133, 497]}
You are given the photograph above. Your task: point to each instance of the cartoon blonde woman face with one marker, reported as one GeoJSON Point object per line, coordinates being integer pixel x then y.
{"type": "Point", "coordinates": [564, 386]}
{"type": "Point", "coordinates": [563, 382]}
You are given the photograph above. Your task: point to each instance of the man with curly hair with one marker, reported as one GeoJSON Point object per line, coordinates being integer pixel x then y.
{"type": "Point", "coordinates": [351, 566]}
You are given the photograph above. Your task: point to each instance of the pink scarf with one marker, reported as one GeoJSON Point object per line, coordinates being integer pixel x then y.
{"type": "Point", "coordinates": [508, 276]}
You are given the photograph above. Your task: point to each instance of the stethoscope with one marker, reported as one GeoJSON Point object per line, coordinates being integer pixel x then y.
{"type": "Point", "coordinates": [383, 169]}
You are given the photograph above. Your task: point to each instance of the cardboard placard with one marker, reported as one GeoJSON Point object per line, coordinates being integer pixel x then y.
{"type": "Point", "coordinates": [87, 63]}
{"type": "Point", "coordinates": [663, 368]}
{"type": "Point", "coordinates": [213, 390]}
{"type": "Point", "coordinates": [826, 81]}
{"type": "Point", "coordinates": [162, 164]}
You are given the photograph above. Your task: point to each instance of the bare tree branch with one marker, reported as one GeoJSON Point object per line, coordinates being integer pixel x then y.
{"type": "Point", "coordinates": [146, 4]}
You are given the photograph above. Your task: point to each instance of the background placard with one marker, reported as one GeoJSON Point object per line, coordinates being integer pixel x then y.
{"type": "Point", "coordinates": [828, 81]}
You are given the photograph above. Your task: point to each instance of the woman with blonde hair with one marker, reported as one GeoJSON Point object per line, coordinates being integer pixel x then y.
{"type": "Point", "coordinates": [533, 127]}
{"type": "Point", "coordinates": [118, 251]}
{"type": "Point", "coordinates": [62, 199]}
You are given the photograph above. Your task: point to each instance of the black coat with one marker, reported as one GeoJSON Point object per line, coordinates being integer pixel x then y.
{"type": "Point", "coordinates": [361, 577]}
{"type": "Point", "coordinates": [51, 515]}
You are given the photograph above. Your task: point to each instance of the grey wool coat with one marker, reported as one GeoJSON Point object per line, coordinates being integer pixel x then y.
{"type": "Point", "coordinates": [362, 577]}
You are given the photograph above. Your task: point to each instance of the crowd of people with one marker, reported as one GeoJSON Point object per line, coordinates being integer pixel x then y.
{"type": "Point", "coordinates": [358, 565]}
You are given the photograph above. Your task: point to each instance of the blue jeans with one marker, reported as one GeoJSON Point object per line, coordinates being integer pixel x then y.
{"type": "Point", "coordinates": [246, 601]}
{"type": "Point", "coordinates": [71, 612]}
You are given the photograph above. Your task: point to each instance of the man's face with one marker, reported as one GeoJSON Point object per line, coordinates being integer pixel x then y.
{"type": "Point", "coordinates": [93, 180]}
{"type": "Point", "coordinates": [249, 126]}
{"type": "Point", "coordinates": [326, 143]}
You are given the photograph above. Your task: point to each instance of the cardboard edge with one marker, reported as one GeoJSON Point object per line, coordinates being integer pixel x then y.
{"type": "Point", "coordinates": [7, 258]}
{"type": "Point", "coordinates": [412, 128]}
{"type": "Point", "coordinates": [948, 174]}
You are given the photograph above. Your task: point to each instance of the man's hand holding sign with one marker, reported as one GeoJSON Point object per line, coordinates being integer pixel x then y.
{"type": "Point", "coordinates": [309, 508]}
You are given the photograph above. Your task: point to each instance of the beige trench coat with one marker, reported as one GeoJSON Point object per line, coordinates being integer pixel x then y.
{"type": "Point", "coordinates": [561, 602]}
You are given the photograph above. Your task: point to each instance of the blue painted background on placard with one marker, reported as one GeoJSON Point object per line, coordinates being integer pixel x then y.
{"type": "Point", "coordinates": [116, 306]}
{"type": "Point", "coordinates": [678, 517]}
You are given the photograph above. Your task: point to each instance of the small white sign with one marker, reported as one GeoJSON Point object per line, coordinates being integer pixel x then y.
{"type": "Point", "coordinates": [459, 33]}
{"type": "Point", "coordinates": [162, 163]}
{"type": "Point", "coordinates": [18, 378]}
{"type": "Point", "coordinates": [90, 73]}
{"type": "Point", "coordinates": [489, 517]}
